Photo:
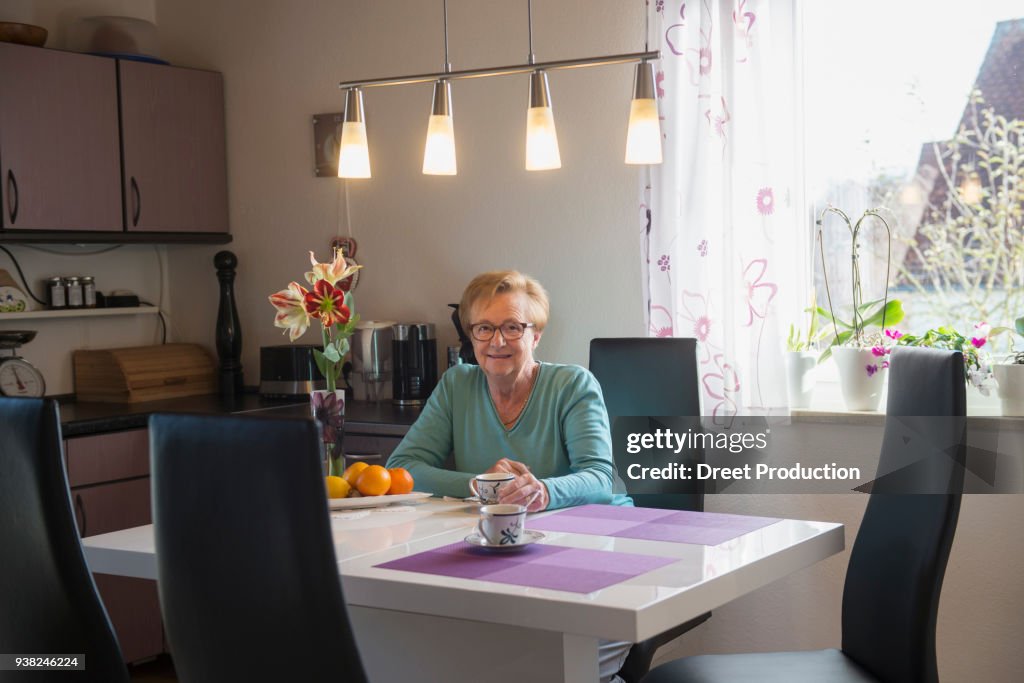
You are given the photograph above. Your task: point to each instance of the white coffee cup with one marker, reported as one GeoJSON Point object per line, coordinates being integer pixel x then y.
{"type": "Point", "coordinates": [502, 524]}
{"type": "Point", "coordinates": [487, 485]}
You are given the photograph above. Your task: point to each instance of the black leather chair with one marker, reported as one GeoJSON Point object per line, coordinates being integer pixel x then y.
{"type": "Point", "coordinates": [249, 584]}
{"type": "Point", "coordinates": [649, 383]}
{"type": "Point", "coordinates": [48, 600]}
{"type": "Point", "coordinates": [891, 596]}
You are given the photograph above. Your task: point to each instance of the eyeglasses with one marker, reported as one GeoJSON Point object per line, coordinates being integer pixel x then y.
{"type": "Point", "coordinates": [509, 331]}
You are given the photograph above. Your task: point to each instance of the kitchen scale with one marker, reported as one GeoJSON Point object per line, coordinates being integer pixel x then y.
{"type": "Point", "coordinates": [18, 377]}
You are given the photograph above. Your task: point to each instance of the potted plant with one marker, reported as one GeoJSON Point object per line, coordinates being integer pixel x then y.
{"type": "Point", "coordinates": [329, 303]}
{"type": "Point", "coordinates": [1010, 376]}
{"type": "Point", "coordinates": [858, 345]}
{"type": "Point", "coordinates": [977, 371]}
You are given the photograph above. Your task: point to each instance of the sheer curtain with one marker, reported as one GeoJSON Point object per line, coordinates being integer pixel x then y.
{"type": "Point", "coordinates": [726, 252]}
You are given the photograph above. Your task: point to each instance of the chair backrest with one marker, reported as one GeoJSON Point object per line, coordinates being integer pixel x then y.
{"type": "Point", "coordinates": [644, 378]}
{"type": "Point", "coordinates": [48, 600]}
{"type": "Point", "coordinates": [893, 582]}
{"type": "Point", "coordinates": [249, 584]}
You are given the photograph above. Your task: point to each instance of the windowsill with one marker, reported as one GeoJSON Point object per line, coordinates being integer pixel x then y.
{"type": "Point", "coordinates": [827, 405]}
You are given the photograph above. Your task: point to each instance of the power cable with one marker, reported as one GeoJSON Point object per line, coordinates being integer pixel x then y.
{"type": "Point", "coordinates": [24, 281]}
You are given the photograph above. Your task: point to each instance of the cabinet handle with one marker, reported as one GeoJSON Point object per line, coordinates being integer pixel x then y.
{"type": "Point", "coordinates": [80, 506]}
{"type": "Point", "coordinates": [136, 202]}
{"type": "Point", "coordinates": [12, 196]}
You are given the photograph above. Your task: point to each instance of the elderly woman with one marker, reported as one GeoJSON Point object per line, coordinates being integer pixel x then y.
{"type": "Point", "coordinates": [542, 422]}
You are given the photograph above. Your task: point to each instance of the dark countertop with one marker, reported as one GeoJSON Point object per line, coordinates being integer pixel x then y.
{"type": "Point", "coordinates": [84, 418]}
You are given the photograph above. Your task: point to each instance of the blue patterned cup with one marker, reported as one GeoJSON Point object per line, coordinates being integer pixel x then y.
{"type": "Point", "coordinates": [486, 485]}
{"type": "Point", "coordinates": [502, 524]}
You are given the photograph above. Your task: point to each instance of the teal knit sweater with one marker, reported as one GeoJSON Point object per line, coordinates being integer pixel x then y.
{"type": "Point", "coordinates": [562, 435]}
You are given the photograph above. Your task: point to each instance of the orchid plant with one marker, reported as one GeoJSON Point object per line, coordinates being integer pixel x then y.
{"type": "Point", "coordinates": [873, 314]}
{"type": "Point", "coordinates": [330, 302]}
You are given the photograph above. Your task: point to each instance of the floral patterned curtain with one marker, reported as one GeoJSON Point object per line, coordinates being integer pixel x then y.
{"type": "Point", "coordinates": [726, 253]}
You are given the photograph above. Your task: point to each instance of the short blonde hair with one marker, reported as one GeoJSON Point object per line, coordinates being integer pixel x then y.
{"type": "Point", "coordinates": [486, 286]}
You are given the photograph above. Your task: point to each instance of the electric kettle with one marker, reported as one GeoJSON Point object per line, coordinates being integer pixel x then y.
{"type": "Point", "coordinates": [371, 355]}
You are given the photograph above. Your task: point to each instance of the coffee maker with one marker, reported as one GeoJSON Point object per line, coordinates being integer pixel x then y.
{"type": "Point", "coordinates": [414, 361]}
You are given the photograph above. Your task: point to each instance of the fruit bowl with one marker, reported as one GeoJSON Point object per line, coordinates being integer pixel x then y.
{"type": "Point", "coordinates": [23, 34]}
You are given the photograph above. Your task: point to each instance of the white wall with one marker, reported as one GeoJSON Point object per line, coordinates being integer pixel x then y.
{"type": "Point", "coordinates": [420, 238]}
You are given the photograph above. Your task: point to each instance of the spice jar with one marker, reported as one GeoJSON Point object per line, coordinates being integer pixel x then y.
{"type": "Point", "coordinates": [55, 293]}
{"type": "Point", "coordinates": [73, 286]}
{"type": "Point", "coordinates": [89, 291]}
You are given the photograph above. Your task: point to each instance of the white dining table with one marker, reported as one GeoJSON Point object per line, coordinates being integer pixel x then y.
{"type": "Point", "coordinates": [422, 627]}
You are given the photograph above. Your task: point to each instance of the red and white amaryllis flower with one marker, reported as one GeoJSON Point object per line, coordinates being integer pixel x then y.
{"type": "Point", "coordinates": [291, 310]}
{"type": "Point", "coordinates": [327, 304]}
{"type": "Point", "coordinates": [331, 304]}
{"type": "Point", "coordinates": [332, 272]}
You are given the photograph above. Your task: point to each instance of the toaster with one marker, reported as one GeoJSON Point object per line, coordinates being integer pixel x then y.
{"type": "Point", "coordinates": [289, 370]}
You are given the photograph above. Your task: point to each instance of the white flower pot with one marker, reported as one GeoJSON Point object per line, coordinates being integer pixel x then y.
{"type": "Point", "coordinates": [801, 377]}
{"type": "Point", "coordinates": [861, 377]}
{"type": "Point", "coordinates": [1011, 387]}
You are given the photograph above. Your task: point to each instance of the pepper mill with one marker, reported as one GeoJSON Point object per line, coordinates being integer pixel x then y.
{"type": "Point", "coordinates": [229, 331]}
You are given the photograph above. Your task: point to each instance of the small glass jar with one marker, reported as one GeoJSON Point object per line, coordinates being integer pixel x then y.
{"type": "Point", "coordinates": [73, 285]}
{"type": "Point", "coordinates": [55, 293]}
{"type": "Point", "coordinates": [89, 291]}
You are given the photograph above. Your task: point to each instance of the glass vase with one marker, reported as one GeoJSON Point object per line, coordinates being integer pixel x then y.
{"type": "Point", "coordinates": [329, 411]}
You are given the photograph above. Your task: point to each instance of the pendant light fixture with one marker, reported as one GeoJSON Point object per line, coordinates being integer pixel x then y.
{"type": "Point", "coordinates": [354, 153]}
{"type": "Point", "coordinates": [541, 137]}
{"type": "Point", "coordinates": [439, 150]}
{"type": "Point", "coordinates": [643, 137]}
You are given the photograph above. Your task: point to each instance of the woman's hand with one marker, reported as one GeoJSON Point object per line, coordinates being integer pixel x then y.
{"type": "Point", "coordinates": [525, 489]}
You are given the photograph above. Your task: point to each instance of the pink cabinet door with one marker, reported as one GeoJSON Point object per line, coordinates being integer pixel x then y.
{"type": "Point", "coordinates": [108, 474]}
{"type": "Point", "coordinates": [60, 164]}
{"type": "Point", "coordinates": [175, 169]}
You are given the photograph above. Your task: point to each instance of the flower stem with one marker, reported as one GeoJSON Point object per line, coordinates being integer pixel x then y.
{"type": "Point", "coordinates": [328, 365]}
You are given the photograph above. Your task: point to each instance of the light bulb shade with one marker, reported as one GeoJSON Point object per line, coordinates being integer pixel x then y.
{"type": "Point", "coordinates": [541, 137]}
{"type": "Point", "coordinates": [643, 138]}
{"type": "Point", "coordinates": [439, 151]}
{"type": "Point", "coordinates": [353, 153]}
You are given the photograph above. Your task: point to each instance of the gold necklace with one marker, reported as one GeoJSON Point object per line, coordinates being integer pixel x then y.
{"type": "Point", "coordinates": [507, 424]}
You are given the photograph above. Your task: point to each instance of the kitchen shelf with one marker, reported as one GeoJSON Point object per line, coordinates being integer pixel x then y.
{"type": "Point", "coordinates": [80, 313]}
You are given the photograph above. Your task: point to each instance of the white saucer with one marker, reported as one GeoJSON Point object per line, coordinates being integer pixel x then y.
{"type": "Point", "coordinates": [527, 538]}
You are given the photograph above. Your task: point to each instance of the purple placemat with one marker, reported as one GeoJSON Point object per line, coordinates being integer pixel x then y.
{"type": "Point", "coordinates": [539, 566]}
{"type": "Point", "coordinates": [700, 528]}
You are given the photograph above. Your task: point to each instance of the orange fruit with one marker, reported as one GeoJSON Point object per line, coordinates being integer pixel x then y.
{"type": "Point", "coordinates": [401, 481]}
{"type": "Point", "coordinates": [352, 472]}
{"type": "Point", "coordinates": [374, 481]}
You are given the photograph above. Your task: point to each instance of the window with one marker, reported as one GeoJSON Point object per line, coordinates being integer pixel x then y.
{"type": "Point", "coordinates": [920, 109]}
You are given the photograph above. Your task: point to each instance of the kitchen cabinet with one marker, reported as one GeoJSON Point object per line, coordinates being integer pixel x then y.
{"type": "Point", "coordinates": [172, 125]}
{"type": "Point", "coordinates": [60, 165]}
{"type": "Point", "coordinates": [94, 149]}
{"type": "Point", "coordinates": [369, 447]}
{"type": "Point", "coordinates": [109, 479]}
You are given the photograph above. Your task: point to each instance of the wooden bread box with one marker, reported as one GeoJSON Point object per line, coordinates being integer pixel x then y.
{"type": "Point", "coordinates": [143, 373]}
